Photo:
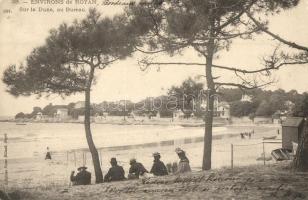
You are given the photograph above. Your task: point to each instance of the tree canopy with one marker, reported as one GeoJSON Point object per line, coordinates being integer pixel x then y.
{"type": "Point", "coordinates": [208, 27]}
{"type": "Point", "coordinates": [62, 64]}
{"type": "Point", "coordinates": [66, 63]}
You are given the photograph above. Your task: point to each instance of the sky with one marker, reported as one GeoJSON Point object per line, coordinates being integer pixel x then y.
{"type": "Point", "coordinates": [21, 31]}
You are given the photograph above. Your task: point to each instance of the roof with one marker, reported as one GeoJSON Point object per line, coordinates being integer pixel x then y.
{"type": "Point", "coordinates": [224, 104]}
{"type": "Point", "coordinates": [59, 106]}
{"type": "Point", "coordinates": [293, 121]}
{"type": "Point", "coordinates": [62, 108]}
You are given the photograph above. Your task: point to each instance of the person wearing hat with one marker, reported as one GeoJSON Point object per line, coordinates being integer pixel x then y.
{"type": "Point", "coordinates": [136, 169]}
{"type": "Point", "coordinates": [184, 162]}
{"type": "Point", "coordinates": [83, 177]}
{"type": "Point", "coordinates": [115, 173]}
{"type": "Point", "coordinates": [158, 168]}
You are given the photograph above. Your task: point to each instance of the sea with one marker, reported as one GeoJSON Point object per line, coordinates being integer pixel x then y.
{"type": "Point", "coordinates": [26, 140]}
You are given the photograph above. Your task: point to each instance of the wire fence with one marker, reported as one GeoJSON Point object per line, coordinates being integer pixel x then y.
{"type": "Point", "coordinates": [223, 155]}
{"type": "Point", "coordinates": [253, 153]}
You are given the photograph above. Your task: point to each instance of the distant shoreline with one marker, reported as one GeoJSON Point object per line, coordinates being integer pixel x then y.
{"type": "Point", "coordinates": [191, 122]}
{"type": "Point", "coordinates": [159, 123]}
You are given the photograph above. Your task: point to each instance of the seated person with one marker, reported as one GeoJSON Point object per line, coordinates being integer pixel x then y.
{"type": "Point", "coordinates": [115, 173]}
{"type": "Point", "coordinates": [136, 169]}
{"type": "Point", "coordinates": [158, 168]}
{"type": "Point", "coordinates": [83, 177]}
{"type": "Point", "coordinates": [184, 162]}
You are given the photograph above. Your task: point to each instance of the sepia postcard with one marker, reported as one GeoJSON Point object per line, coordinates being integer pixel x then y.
{"type": "Point", "coordinates": [153, 99]}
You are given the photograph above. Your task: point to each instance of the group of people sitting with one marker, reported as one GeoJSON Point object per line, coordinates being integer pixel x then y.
{"type": "Point", "coordinates": [116, 172]}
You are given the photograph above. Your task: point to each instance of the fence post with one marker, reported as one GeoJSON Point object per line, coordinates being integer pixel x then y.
{"type": "Point", "coordinates": [231, 156]}
{"type": "Point", "coordinates": [263, 153]}
{"type": "Point", "coordinates": [75, 157]}
{"type": "Point", "coordinates": [100, 155]}
{"type": "Point", "coordinates": [85, 158]}
{"type": "Point", "coordinates": [83, 164]}
{"type": "Point", "coordinates": [6, 175]}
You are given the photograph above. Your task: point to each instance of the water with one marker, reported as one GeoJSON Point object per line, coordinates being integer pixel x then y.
{"type": "Point", "coordinates": [31, 140]}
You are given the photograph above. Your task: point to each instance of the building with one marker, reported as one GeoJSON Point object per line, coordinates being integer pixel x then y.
{"type": "Point", "coordinates": [80, 118]}
{"type": "Point", "coordinates": [158, 114]}
{"type": "Point", "coordinates": [178, 114]}
{"type": "Point", "coordinates": [92, 118]}
{"type": "Point", "coordinates": [289, 106]}
{"type": "Point", "coordinates": [292, 130]}
{"type": "Point", "coordinates": [246, 98]}
{"type": "Point", "coordinates": [79, 104]}
{"type": "Point", "coordinates": [62, 113]}
{"type": "Point", "coordinates": [223, 110]}
{"type": "Point", "coordinates": [203, 102]}
{"type": "Point", "coordinates": [39, 116]}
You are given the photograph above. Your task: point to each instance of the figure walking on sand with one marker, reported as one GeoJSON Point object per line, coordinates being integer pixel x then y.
{"type": "Point", "coordinates": [48, 154]}
{"type": "Point", "coordinates": [184, 162]}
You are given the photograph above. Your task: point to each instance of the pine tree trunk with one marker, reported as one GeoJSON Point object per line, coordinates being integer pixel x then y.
{"type": "Point", "coordinates": [87, 125]}
{"type": "Point", "coordinates": [207, 148]}
{"type": "Point", "coordinates": [300, 162]}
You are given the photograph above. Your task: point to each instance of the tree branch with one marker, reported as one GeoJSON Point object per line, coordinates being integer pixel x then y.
{"type": "Point", "coordinates": [149, 52]}
{"type": "Point", "coordinates": [269, 67]}
{"type": "Point", "coordinates": [241, 85]}
{"type": "Point", "coordinates": [277, 37]}
{"type": "Point", "coordinates": [214, 66]}
{"type": "Point", "coordinates": [235, 35]}
{"type": "Point", "coordinates": [236, 17]}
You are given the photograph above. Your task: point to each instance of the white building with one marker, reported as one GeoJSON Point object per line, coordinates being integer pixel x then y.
{"type": "Point", "coordinates": [246, 97]}
{"type": "Point", "coordinates": [92, 118]}
{"type": "Point", "coordinates": [223, 110]}
{"type": "Point", "coordinates": [39, 116]}
{"type": "Point", "coordinates": [290, 106]}
{"type": "Point", "coordinates": [203, 103]}
{"type": "Point", "coordinates": [62, 113]}
{"type": "Point", "coordinates": [81, 118]}
{"type": "Point", "coordinates": [178, 114]}
{"type": "Point", "coordinates": [79, 104]}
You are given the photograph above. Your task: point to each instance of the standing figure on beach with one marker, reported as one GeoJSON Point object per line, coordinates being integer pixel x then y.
{"type": "Point", "coordinates": [48, 154]}
{"type": "Point", "coordinates": [83, 177]}
{"type": "Point", "coordinates": [115, 173]}
{"type": "Point", "coordinates": [158, 168]}
{"type": "Point", "coordinates": [184, 162]}
{"type": "Point", "coordinates": [136, 169]}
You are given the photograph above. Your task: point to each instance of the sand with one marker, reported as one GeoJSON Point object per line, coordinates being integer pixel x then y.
{"type": "Point", "coordinates": [36, 172]}
{"type": "Point", "coordinates": [275, 182]}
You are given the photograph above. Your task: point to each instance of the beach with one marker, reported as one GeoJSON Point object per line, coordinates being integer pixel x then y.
{"type": "Point", "coordinates": [27, 147]}
{"type": "Point", "coordinates": [274, 182]}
